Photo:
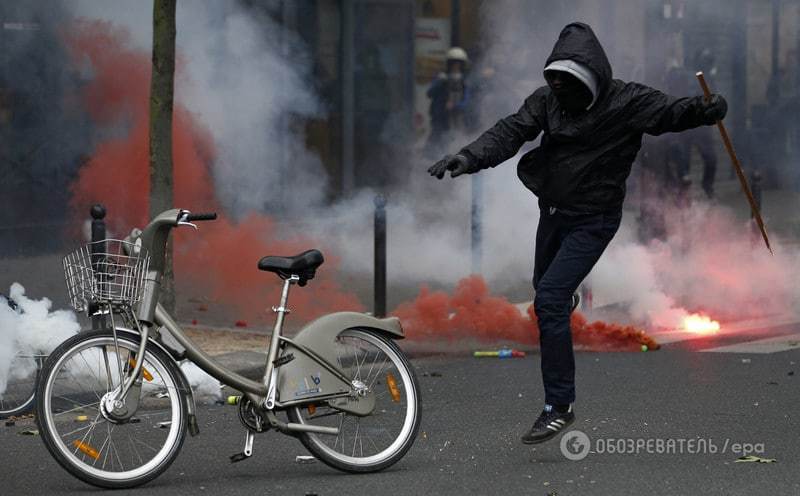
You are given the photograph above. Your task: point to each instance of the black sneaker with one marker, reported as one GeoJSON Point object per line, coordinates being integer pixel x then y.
{"type": "Point", "coordinates": [549, 424]}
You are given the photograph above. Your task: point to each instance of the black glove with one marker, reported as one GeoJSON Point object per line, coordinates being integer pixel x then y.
{"type": "Point", "coordinates": [456, 164]}
{"type": "Point", "coordinates": [714, 109]}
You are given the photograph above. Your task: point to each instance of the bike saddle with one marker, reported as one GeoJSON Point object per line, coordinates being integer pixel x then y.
{"type": "Point", "coordinates": [303, 265]}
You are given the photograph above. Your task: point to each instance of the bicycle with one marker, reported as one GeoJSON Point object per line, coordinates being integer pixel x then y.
{"type": "Point", "coordinates": [19, 392]}
{"type": "Point", "coordinates": [114, 408]}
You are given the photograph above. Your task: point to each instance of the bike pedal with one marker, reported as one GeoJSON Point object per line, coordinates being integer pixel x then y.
{"type": "Point", "coordinates": [248, 448]}
{"type": "Point", "coordinates": [238, 457]}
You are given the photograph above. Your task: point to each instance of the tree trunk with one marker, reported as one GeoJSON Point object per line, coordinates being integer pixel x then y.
{"type": "Point", "coordinates": [161, 96]}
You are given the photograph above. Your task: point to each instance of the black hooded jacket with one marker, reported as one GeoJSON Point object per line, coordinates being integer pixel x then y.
{"type": "Point", "coordinates": [583, 160]}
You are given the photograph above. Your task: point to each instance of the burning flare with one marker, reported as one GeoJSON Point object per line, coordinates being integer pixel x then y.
{"type": "Point", "coordinates": [700, 324]}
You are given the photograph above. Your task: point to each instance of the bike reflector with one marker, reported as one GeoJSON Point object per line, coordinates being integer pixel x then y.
{"type": "Point", "coordinates": [393, 389]}
{"type": "Point", "coordinates": [145, 373]}
{"type": "Point", "coordinates": [86, 449]}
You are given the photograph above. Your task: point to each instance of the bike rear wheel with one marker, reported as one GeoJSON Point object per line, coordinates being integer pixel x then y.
{"type": "Point", "coordinates": [19, 392]}
{"type": "Point", "coordinates": [376, 441]}
{"type": "Point", "coordinates": [90, 444]}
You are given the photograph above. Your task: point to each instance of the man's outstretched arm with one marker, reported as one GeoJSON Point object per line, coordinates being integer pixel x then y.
{"type": "Point", "coordinates": [654, 112]}
{"type": "Point", "coordinates": [501, 142]}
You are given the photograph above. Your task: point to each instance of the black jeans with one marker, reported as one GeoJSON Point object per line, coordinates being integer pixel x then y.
{"type": "Point", "coordinates": [567, 247]}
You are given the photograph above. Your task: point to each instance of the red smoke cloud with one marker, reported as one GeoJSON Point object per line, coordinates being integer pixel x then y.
{"type": "Point", "coordinates": [472, 311]}
{"type": "Point", "coordinates": [117, 98]}
{"type": "Point", "coordinates": [220, 261]}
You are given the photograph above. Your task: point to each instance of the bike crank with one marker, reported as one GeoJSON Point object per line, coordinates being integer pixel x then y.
{"type": "Point", "coordinates": [252, 422]}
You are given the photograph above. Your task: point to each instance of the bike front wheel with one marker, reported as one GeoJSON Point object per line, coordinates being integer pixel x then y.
{"type": "Point", "coordinates": [376, 441]}
{"type": "Point", "coordinates": [104, 450]}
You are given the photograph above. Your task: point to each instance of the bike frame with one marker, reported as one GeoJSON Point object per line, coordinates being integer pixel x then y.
{"type": "Point", "coordinates": [262, 391]}
{"type": "Point", "coordinates": [149, 312]}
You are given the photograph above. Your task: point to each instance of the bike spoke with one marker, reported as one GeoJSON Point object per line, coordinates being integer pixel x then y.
{"type": "Point", "coordinates": [383, 365]}
{"type": "Point", "coordinates": [355, 438]}
{"type": "Point", "coordinates": [133, 446]}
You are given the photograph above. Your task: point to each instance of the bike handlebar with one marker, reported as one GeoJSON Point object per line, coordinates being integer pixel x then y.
{"type": "Point", "coordinates": [200, 217]}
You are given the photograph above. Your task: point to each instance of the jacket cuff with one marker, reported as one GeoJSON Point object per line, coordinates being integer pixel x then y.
{"type": "Point", "coordinates": [472, 163]}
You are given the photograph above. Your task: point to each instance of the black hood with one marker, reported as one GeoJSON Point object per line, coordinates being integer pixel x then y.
{"type": "Point", "coordinates": [578, 42]}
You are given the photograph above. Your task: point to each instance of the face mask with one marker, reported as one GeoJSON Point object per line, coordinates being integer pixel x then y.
{"type": "Point", "coordinates": [455, 76]}
{"type": "Point", "coordinates": [572, 95]}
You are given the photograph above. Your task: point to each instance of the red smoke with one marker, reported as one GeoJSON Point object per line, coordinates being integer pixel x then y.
{"type": "Point", "coordinates": [220, 261]}
{"type": "Point", "coordinates": [471, 311]}
{"type": "Point", "coordinates": [117, 98]}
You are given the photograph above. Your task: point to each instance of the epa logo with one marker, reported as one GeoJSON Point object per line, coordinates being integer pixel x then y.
{"type": "Point", "coordinates": [575, 445]}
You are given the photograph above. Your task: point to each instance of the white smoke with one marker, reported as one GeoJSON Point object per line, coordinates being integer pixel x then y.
{"type": "Point", "coordinates": [429, 229]}
{"type": "Point", "coordinates": [710, 262]}
{"type": "Point", "coordinates": [234, 73]}
{"type": "Point", "coordinates": [242, 84]}
{"type": "Point", "coordinates": [32, 330]}
{"type": "Point", "coordinates": [246, 79]}
{"type": "Point", "coordinates": [206, 388]}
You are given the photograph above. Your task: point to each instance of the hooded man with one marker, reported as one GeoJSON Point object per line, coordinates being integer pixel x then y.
{"type": "Point", "coordinates": [591, 127]}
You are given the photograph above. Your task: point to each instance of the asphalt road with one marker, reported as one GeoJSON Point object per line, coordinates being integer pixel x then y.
{"type": "Point", "coordinates": [473, 416]}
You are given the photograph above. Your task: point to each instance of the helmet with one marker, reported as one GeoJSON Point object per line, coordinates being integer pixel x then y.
{"type": "Point", "coordinates": [457, 53]}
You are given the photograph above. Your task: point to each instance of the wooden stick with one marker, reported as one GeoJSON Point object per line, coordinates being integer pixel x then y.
{"type": "Point", "coordinates": [737, 166]}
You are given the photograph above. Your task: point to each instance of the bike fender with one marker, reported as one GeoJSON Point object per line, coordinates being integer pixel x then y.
{"type": "Point", "coordinates": [340, 321]}
{"type": "Point", "coordinates": [320, 334]}
{"type": "Point", "coordinates": [303, 378]}
{"type": "Point", "coordinates": [186, 388]}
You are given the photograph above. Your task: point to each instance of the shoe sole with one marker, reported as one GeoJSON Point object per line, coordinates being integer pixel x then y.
{"type": "Point", "coordinates": [576, 301]}
{"type": "Point", "coordinates": [549, 436]}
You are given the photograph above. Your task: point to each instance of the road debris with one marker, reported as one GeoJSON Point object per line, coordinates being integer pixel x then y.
{"type": "Point", "coordinates": [504, 353]}
{"type": "Point", "coordinates": [754, 459]}
{"type": "Point", "coordinates": [304, 459]}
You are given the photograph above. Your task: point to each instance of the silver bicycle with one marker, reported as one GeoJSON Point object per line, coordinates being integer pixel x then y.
{"type": "Point", "coordinates": [18, 393]}
{"type": "Point", "coordinates": [113, 407]}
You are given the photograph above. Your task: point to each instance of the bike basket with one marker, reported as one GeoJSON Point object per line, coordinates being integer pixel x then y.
{"type": "Point", "coordinates": [108, 271]}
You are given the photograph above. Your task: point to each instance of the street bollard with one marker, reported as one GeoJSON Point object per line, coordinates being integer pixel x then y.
{"type": "Point", "coordinates": [98, 213]}
{"type": "Point", "coordinates": [379, 309]}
